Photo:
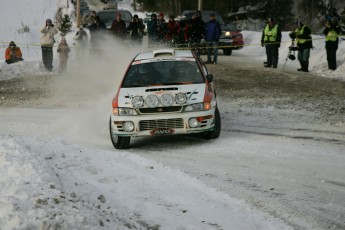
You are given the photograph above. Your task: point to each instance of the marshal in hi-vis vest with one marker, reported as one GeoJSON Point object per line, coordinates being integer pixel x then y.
{"type": "Point", "coordinates": [271, 34]}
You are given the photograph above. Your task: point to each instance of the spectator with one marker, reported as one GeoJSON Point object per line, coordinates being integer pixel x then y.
{"type": "Point", "coordinates": [81, 40]}
{"type": "Point", "coordinates": [213, 32]}
{"type": "Point", "coordinates": [332, 31]}
{"type": "Point", "coordinates": [47, 41]}
{"type": "Point", "coordinates": [136, 28]}
{"type": "Point", "coordinates": [118, 27]}
{"type": "Point", "coordinates": [97, 32]}
{"type": "Point", "coordinates": [13, 53]}
{"type": "Point", "coordinates": [162, 28]}
{"type": "Point", "coordinates": [63, 50]}
{"type": "Point", "coordinates": [197, 28]}
{"type": "Point", "coordinates": [182, 32]}
{"type": "Point", "coordinates": [152, 31]}
{"type": "Point", "coordinates": [171, 29]}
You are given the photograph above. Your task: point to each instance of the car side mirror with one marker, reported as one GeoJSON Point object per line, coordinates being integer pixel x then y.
{"type": "Point", "coordinates": [209, 77]}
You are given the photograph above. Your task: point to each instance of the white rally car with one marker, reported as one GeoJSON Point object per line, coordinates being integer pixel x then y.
{"type": "Point", "coordinates": [165, 92]}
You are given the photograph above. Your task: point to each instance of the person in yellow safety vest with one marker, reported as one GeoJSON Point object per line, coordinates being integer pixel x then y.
{"type": "Point", "coordinates": [271, 38]}
{"type": "Point", "coordinates": [332, 31]}
{"type": "Point", "coordinates": [304, 44]}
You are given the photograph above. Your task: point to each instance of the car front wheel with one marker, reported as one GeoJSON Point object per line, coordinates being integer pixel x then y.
{"type": "Point", "coordinates": [118, 141]}
{"type": "Point", "coordinates": [217, 127]}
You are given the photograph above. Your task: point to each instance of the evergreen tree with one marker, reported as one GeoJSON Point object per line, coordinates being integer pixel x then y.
{"type": "Point", "coordinates": [65, 25]}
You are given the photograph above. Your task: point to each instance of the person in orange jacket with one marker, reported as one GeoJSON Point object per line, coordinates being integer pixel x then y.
{"type": "Point", "coordinates": [13, 53]}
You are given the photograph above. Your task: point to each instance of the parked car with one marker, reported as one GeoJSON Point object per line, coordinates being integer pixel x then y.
{"type": "Point", "coordinates": [231, 37]}
{"type": "Point", "coordinates": [108, 16]}
{"type": "Point", "coordinates": [164, 92]}
{"type": "Point", "coordinates": [111, 4]}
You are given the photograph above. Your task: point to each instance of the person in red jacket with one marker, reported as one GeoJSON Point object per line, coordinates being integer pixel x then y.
{"type": "Point", "coordinates": [13, 53]}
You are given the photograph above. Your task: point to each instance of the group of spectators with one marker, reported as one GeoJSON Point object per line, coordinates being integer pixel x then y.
{"type": "Point", "coordinates": [185, 33]}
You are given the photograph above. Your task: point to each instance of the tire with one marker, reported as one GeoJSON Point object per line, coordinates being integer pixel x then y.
{"type": "Point", "coordinates": [118, 141]}
{"type": "Point", "coordinates": [227, 52]}
{"type": "Point", "coordinates": [217, 127]}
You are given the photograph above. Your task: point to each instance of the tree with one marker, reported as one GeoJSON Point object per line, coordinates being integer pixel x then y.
{"type": "Point", "coordinates": [65, 25]}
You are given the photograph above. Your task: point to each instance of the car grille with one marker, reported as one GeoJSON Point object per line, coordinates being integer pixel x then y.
{"type": "Point", "coordinates": [161, 109]}
{"type": "Point", "coordinates": [161, 124]}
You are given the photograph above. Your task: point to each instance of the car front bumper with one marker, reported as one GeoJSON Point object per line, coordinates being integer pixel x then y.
{"type": "Point", "coordinates": [163, 124]}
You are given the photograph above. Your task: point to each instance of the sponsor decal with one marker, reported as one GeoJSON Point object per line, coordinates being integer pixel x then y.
{"type": "Point", "coordinates": [160, 132]}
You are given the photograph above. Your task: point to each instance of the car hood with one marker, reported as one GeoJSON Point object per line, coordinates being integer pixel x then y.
{"type": "Point", "coordinates": [194, 92]}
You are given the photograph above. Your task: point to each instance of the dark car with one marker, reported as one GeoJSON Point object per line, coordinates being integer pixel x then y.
{"type": "Point", "coordinates": [108, 16]}
{"type": "Point", "coordinates": [231, 38]}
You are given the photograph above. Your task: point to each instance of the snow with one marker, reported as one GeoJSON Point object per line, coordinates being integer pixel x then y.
{"type": "Point", "coordinates": [47, 182]}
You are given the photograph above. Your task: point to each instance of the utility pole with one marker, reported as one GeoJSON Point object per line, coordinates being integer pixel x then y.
{"type": "Point", "coordinates": [78, 13]}
{"type": "Point", "coordinates": [200, 5]}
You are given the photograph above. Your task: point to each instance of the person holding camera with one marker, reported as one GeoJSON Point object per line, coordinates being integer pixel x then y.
{"type": "Point", "coordinates": [304, 43]}
{"type": "Point", "coordinates": [13, 53]}
{"type": "Point", "coordinates": [271, 38]}
{"type": "Point", "coordinates": [47, 41]}
{"type": "Point", "coordinates": [332, 31]}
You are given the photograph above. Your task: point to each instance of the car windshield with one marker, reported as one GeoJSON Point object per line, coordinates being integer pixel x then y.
{"type": "Point", "coordinates": [109, 16]}
{"type": "Point", "coordinates": [163, 73]}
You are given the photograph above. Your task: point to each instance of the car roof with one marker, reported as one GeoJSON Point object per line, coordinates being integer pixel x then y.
{"type": "Point", "coordinates": [164, 53]}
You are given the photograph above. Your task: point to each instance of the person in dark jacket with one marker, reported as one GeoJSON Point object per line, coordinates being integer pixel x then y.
{"type": "Point", "coordinates": [332, 31]}
{"type": "Point", "coordinates": [271, 38]}
{"type": "Point", "coordinates": [136, 28]}
{"type": "Point", "coordinates": [213, 32]}
{"type": "Point", "coordinates": [152, 31]}
{"type": "Point", "coordinates": [13, 53]}
{"type": "Point", "coordinates": [162, 28]}
{"type": "Point", "coordinates": [197, 28]}
{"type": "Point", "coordinates": [97, 32]}
{"type": "Point", "coordinates": [181, 38]}
{"type": "Point", "coordinates": [304, 43]}
{"type": "Point", "coordinates": [118, 27]}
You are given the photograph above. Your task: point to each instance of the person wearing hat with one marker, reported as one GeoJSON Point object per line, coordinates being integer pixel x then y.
{"type": "Point", "coordinates": [197, 28]}
{"type": "Point", "coordinates": [304, 43]}
{"type": "Point", "coordinates": [332, 31]}
{"type": "Point", "coordinates": [13, 53]}
{"type": "Point", "coordinates": [271, 38]}
{"type": "Point", "coordinates": [136, 28]}
{"type": "Point", "coordinates": [212, 35]}
{"type": "Point", "coordinates": [182, 32]}
{"type": "Point", "coordinates": [152, 31]}
{"type": "Point", "coordinates": [47, 42]}
{"type": "Point", "coordinates": [118, 27]}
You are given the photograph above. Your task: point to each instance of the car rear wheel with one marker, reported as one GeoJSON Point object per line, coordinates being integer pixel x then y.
{"type": "Point", "coordinates": [118, 141]}
{"type": "Point", "coordinates": [217, 127]}
{"type": "Point", "coordinates": [227, 52]}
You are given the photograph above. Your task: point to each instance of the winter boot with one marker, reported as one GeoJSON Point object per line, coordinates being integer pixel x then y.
{"type": "Point", "coordinates": [305, 66]}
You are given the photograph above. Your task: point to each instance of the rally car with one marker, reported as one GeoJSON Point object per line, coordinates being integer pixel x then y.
{"type": "Point", "coordinates": [164, 92]}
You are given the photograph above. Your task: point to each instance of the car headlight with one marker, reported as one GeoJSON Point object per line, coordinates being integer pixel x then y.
{"type": "Point", "coordinates": [197, 107]}
{"type": "Point", "coordinates": [181, 98]}
{"type": "Point", "coordinates": [137, 102]}
{"type": "Point", "coordinates": [227, 33]}
{"type": "Point", "coordinates": [167, 99]}
{"type": "Point", "coordinates": [124, 112]}
{"type": "Point", "coordinates": [194, 107]}
{"type": "Point", "coordinates": [152, 101]}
